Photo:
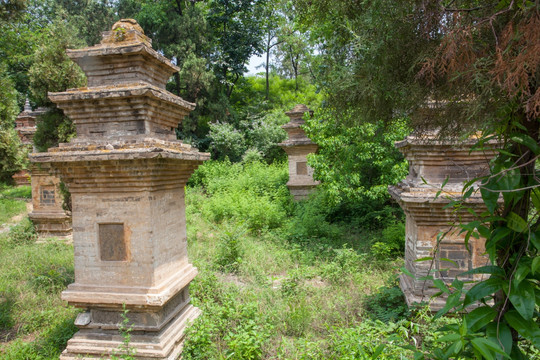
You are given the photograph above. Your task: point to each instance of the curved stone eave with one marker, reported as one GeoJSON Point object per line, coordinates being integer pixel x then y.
{"type": "Point", "coordinates": [132, 48]}
{"type": "Point", "coordinates": [105, 155]}
{"type": "Point", "coordinates": [119, 91]}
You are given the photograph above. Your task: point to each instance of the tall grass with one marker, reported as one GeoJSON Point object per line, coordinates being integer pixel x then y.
{"type": "Point", "coordinates": [34, 322]}
{"type": "Point", "coordinates": [277, 279]}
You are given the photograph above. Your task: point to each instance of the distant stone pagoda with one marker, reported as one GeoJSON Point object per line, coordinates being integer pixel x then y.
{"type": "Point", "coordinates": [48, 215]}
{"type": "Point", "coordinates": [25, 125]}
{"type": "Point", "coordinates": [431, 162]}
{"type": "Point", "coordinates": [126, 173]}
{"type": "Point", "coordinates": [298, 146]}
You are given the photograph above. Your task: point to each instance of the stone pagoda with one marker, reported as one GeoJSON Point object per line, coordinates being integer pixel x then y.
{"type": "Point", "coordinates": [126, 173]}
{"type": "Point", "coordinates": [427, 218]}
{"type": "Point", "coordinates": [297, 147]}
{"type": "Point", "coordinates": [25, 125]}
{"type": "Point", "coordinates": [48, 213]}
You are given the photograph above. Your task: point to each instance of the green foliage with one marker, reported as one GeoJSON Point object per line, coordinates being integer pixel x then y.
{"type": "Point", "coordinates": [367, 161]}
{"type": "Point", "coordinates": [236, 329]}
{"type": "Point", "coordinates": [19, 192]}
{"type": "Point", "coordinates": [52, 279]}
{"type": "Point", "coordinates": [90, 17]}
{"type": "Point", "coordinates": [393, 242]}
{"type": "Point", "coordinates": [343, 264]}
{"type": "Point", "coordinates": [368, 57]}
{"type": "Point", "coordinates": [10, 208]}
{"type": "Point", "coordinates": [126, 351]}
{"type": "Point", "coordinates": [22, 233]}
{"type": "Point", "coordinates": [251, 193]}
{"type": "Point", "coordinates": [53, 127]}
{"type": "Point", "coordinates": [387, 304]}
{"type": "Point", "coordinates": [226, 142]}
{"type": "Point", "coordinates": [238, 35]}
{"type": "Point", "coordinates": [52, 70]}
{"type": "Point", "coordinates": [229, 254]}
{"type": "Point", "coordinates": [12, 154]}
{"type": "Point", "coordinates": [250, 96]}
{"type": "Point", "coordinates": [31, 305]}
{"type": "Point", "coordinates": [310, 223]}
{"type": "Point", "coordinates": [8, 103]}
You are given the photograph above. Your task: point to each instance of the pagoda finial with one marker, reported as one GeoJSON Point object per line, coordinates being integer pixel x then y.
{"type": "Point", "coordinates": [27, 107]}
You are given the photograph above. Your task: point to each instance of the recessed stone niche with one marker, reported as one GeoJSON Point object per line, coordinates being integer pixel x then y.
{"type": "Point", "coordinates": [298, 146]}
{"type": "Point", "coordinates": [126, 173]}
{"type": "Point", "coordinates": [431, 163]}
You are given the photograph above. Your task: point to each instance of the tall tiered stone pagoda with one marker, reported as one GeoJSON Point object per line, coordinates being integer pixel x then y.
{"type": "Point", "coordinates": [25, 125]}
{"type": "Point", "coordinates": [126, 173]}
{"type": "Point", "coordinates": [433, 162]}
{"type": "Point", "coordinates": [298, 146]}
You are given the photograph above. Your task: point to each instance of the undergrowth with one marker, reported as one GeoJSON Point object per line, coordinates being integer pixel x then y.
{"type": "Point", "coordinates": [34, 322]}
{"type": "Point", "coordinates": [277, 279]}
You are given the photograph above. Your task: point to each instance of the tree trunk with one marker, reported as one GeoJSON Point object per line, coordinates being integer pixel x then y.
{"type": "Point", "coordinates": [267, 69]}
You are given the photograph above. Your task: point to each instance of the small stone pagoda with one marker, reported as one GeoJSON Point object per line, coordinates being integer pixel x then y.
{"type": "Point", "coordinates": [426, 216]}
{"type": "Point", "coordinates": [25, 125]}
{"type": "Point", "coordinates": [297, 147]}
{"type": "Point", "coordinates": [48, 214]}
{"type": "Point", "coordinates": [126, 173]}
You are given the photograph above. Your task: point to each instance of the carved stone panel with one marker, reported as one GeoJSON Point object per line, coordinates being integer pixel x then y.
{"type": "Point", "coordinates": [112, 242]}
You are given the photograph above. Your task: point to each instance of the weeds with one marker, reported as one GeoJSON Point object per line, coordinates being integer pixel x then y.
{"type": "Point", "coordinates": [125, 351]}
{"type": "Point", "coordinates": [229, 255]}
{"type": "Point", "coordinates": [10, 208]}
{"type": "Point", "coordinates": [277, 279]}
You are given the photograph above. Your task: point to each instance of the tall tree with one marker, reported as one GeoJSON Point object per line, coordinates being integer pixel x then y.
{"type": "Point", "coordinates": [236, 28]}
{"type": "Point", "coordinates": [273, 19]}
{"type": "Point", "coordinates": [53, 71]}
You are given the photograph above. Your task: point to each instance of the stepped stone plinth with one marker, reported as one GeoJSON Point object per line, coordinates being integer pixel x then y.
{"type": "Point", "coordinates": [435, 161]}
{"type": "Point", "coordinates": [298, 146]}
{"type": "Point", "coordinates": [126, 173]}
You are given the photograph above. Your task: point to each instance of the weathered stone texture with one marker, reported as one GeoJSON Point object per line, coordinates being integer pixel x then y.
{"type": "Point", "coordinates": [126, 174]}
{"type": "Point", "coordinates": [298, 146]}
{"type": "Point", "coordinates": [426, 216]}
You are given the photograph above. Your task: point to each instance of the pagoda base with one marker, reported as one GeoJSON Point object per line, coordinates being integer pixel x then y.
{"type": "Point", "coordinates": [99, 336]}
{"type": "Point", "coordinates": [51, 224]}
{"type": "Point", "coordinates": [301, 192]}
{"type": "Point", "coordinates": [419, 294]}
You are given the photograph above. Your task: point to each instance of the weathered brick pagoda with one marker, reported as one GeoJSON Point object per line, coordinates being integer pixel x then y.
{"type": "Point", "coordinates": [426, 217]}
{"type": "Point", "coordinates": [48, 214]}
{"type": "Point", "coordinates": [126, 173]}
{"type": "Point", "coordinates": [25, 125]}
{"type": "Point", "coordinates": [297, 147]}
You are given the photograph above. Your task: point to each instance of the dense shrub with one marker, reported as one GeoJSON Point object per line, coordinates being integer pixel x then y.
{"type": "Point", "coordinates": [227, 326]}
{"type": "Point", "coordinates": [251, 193]}
{"type": "Point", "coordinates": [310, 223]}
{"type": "Point", "coordinates": [53, 127]}
{"type": "Point", "coordinates": [392, 243]}
{"type": "Point", "coordinates": [226, 142]}
{"type": "Point", "coordinates": [388, 304]}
{"type": "Point", "coordinates": [12, 153]}
{"type": "Point", "coordinates": [229, 253]}
{"type": "Point", "coordinates": [13, 156]}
